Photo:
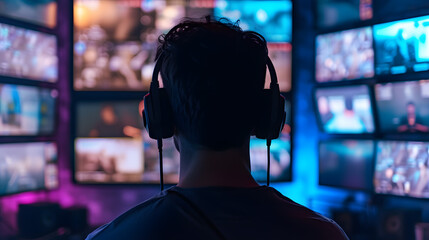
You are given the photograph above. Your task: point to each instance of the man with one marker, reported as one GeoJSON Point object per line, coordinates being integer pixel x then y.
{"type": "Point", "coordinates": [214, 75]}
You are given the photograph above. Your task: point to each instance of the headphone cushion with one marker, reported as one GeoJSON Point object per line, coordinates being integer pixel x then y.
{"type": "Point", "coordinates": [271, 116]}
{"type": "Point", "coordinates": [158, 115]}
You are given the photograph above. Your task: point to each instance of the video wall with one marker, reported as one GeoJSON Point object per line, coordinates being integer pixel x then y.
{"type": "Point", "coordinates": [371, 98]}
{"type": "Point", "coordinates": [28, 96]}
{"type": "Point", "coordinates": [114, 50]}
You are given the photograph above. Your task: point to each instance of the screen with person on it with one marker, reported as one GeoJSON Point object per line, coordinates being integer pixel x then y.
{"type": "Point", "coordinates": [27, 111]}
{"type": "Point", "coordinates": [403, 106]}
{"type": "Point", "coordinates": [115, 42]}
{"type": "Point", "coordinates": [272, 19]}
{"type": "Point", "coordinates": [331, 13]}
{"type": "Point", "coordinates": [346, 164]}
{"type": "Point", "coordinates": [402, 46]}
{"type": "Point", "coordinates": [112, 147]}
{"type": "Point", "coordinates": [28, 54]}
{"type": "Point", "coordinates": [345, 110]}
{"type": "Point", "coordinates": [345, 55]}
{"type": "Point", "coordinates": [402, 168]}
{"type": "Point", "coordinates": [28, 167]}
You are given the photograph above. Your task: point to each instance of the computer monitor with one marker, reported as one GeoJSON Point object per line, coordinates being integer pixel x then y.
{"type": "Point", "coordinates": [28, 54]}
{"type": "Point", "coordinates": [27, 111]}
{"type": "Point", "coordinates": [115, 42]}
{"type": "Point", "coordinates": [344, 109]}
{"type": "Point", "coordinates": [332, 13]}
{"type": "Point", "coordinates": [401, 46]}
{"type": "Point", "coordinates": [346, 164]}
{"type": "Point", "coordinates": [272, 19]}
{"type": "Point", "coordinates": [41, 12]}
{"type": "Point", "coordinates": [402, 169]}
{"type": "Point", "coordinates": [28, 167]}
{"type": "Point", "coordinates": [111, 146]}
{"type": "Point", "coordinates": [403, 106]}
{"type": "Point", "coordinates": [344, 55]}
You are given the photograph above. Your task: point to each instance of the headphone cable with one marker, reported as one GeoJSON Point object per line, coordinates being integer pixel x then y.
{"type": "Point", "coordinates": [268, 161]}
{"type": "Point", "coordinates": [161, 175]}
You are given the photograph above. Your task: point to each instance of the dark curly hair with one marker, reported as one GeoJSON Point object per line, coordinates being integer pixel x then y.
{"type": "Point", "coordinates": [214, 73]}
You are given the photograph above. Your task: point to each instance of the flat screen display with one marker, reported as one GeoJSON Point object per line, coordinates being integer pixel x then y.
{"type": "Point", "coordinates": [112, 147]}
{"type": "Point", "coordinates": [402, 46]}
{"type": "Point", "coordinates": [331, 13]}
{"type": "Point", "coordinates": [28, 167]}
{"type": "Point", "coordinates": [27, 111]}
{"type": "Point", "coordinates": [115, 42]}
{"type": "Point", "coordinates": [346, 164]}
{"type": "Point", "coordinates": [402, 169]}
{"type": "Point", "coordinates": [403, 106]}
{"type": "Point", "coordinates": [28, 54]}
{"type": "Point", "coordinates": [345, 110]}
{"type": "Point", "coordinates": [281, 56]}
{"type": "Point", "coordinates": [272, 19]}
{"type": "Point", "coordinates": [42, 12]}
{"type": "Point", "coordinates": [345, 55]}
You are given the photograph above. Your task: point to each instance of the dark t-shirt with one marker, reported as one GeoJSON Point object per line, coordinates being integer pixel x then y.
{"type": "Point", "coordinates": [220, 213]}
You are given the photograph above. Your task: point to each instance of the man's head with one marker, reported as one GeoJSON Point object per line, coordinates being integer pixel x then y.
{"type": "Point", "coordinates": [214, 75]}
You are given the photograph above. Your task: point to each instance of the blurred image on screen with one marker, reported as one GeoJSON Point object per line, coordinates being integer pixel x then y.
{"type": "Point", "coordinates": [42, 12]}
{"type": "Point", "coordinates": [345, 110]}
{"type": "Point", "coordinates": [27, 167]}
{"type": "Point", "coordinates": [28, 54]}
{"type": "Point", "coordinates": [402, 168]}
{"type": "Point", "coordinates": [115, 42]}
{"type": "Point", "coordinates": [402, 46]}
{"type": "Point", "coordinates": [281, 56]}
{"type": "Point", "coordinates": [27, 110]}
{"type": "Point", "coordinates": [272, 19]}
{"type": "Point", "coordinates": [346, 163]}
{"type": "Point", "coordinates": [345, 55]}
{"type": "Point", "coordinates": [332, 13]}
{"type": "Point", "coordinates": [403, 106]}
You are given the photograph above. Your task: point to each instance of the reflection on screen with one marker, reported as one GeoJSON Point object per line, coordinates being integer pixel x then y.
{"type": "Point", "coordinates": [26, 110]}
{"type": "Point", "coordinates": [280, 161]}
{"type": "Point", "coordinates": [28, 54]}
{"type": "Point", "coordinates": [344, 55]}
{"type": "Point", "coordinates": [403, 106]}
{"type": "Point", "coordinates": [345, 109]}
{"type": "Point", "coordinates": [402, 169]}
{"type": "Point", "coordinates": [402, 46]}
{"type": "Point", "coordinates": [281, 56]}
{"type": "Point", "coordinates": [346, 163]}
{"type": "Point", "coordinates": [28, 167]}
{"type": "Point", "coordinates": [42, 12]}
{"type": "Point", "coordinates": [337, 12]}
{"type": "Point", "coordinates": [115, 42]}
{"type": "Point", "coordinates": [272, 19]}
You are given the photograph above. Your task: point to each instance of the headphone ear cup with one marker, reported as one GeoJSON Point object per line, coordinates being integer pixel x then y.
{"type": "Point", "coordinates": [158, 115]}
{"type": "Point", "coordinates": [271, 116]}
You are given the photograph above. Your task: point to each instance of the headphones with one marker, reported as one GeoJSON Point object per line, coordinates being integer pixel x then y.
{"type": "Point", "coordinates": [158, 113]}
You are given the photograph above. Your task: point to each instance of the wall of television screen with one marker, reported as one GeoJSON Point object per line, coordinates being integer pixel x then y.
{"type": "Point", "coordinates": [28, 96]}
{"type": "Point", "coordinates": [114, 50]}
{"type": "Point", "coordinates": [371, 96]}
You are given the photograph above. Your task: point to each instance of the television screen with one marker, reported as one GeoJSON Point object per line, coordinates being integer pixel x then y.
{"type": "Point", "coordinates": [112, 147]}
{"type": "Point", "coordinates": [345, 110]}
{"type": "Point", "coordinates": [115, 42]}
{"type": "Point", "coordinates": [27, 167]}
{"type": "Point", "coordinates": [42, 12]}
{"type": "Point", "coordinates": [272, 19]}
{"type": "Point", "coordinates": [403, 106]}
{"type": "Point", "coordinates": [281, 56]}
{"type": "Point", "coordinates": [344, 55]}
{"type": "Point", "coordinates": [346, 163]}
{"type": "Point", "coordinates": [401, 46]}
{"type": "Point", "coordinates": [27, 111]}
{"type": "Point", "coordinates": [390, 8]}
{"type": "Point", "coordinates": [332, 13]}
{"type": "Point", "coordinates": [402, 168]}
{"type": "Point", "coordinates": [28, 54]}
